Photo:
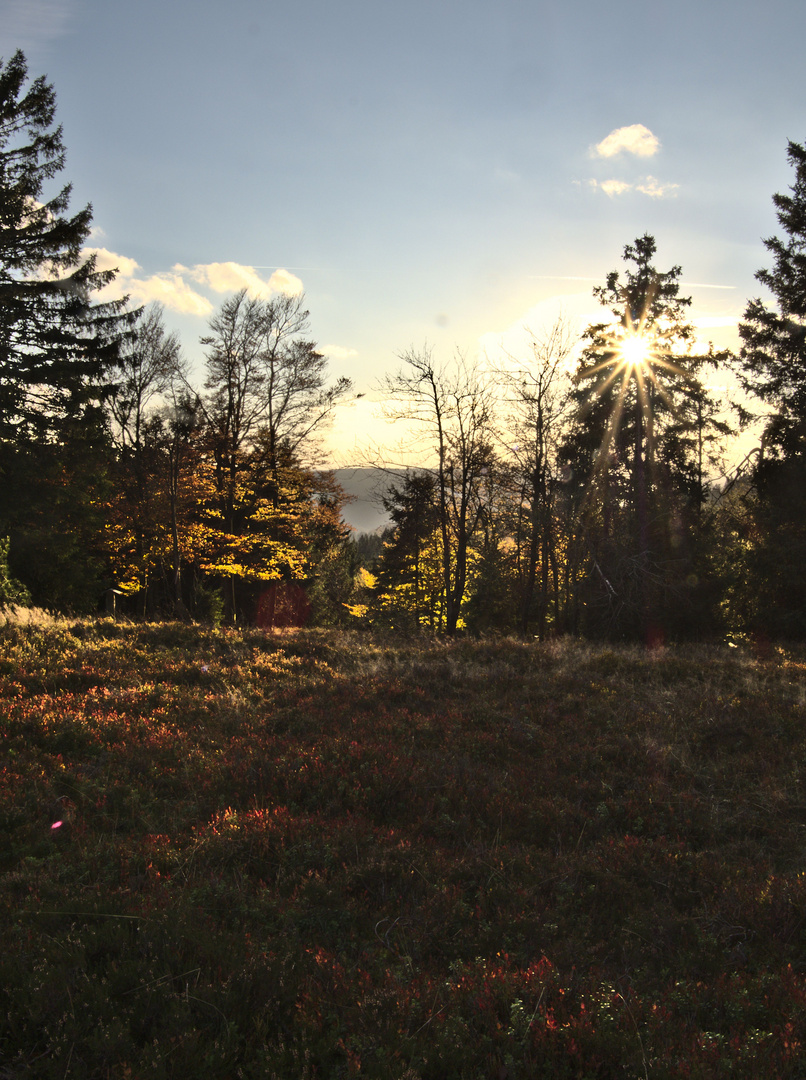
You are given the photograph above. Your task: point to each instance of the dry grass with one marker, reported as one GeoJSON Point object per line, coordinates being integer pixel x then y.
{"type": "Point", "coordinates": [332, 854]}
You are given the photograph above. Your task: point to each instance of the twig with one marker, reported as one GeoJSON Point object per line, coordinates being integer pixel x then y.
{"type": "Point", "coordinates": [637, 1032]}
{"type": "Point", "coordinates": [161, 979]}
{"type": "Point", "coordinates": [88, 914]}
{"type": "Point", "coordinates": [534, 1014]}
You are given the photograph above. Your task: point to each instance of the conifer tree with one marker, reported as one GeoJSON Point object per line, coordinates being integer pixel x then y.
{"type": "Point", "coordinates": [773, 357]}
{"type": "Point", "coordinates": [58, 352]}
{"type": "Point", "coordinates": [773, 368]}
{"type": "Point", "coordinates": [637, 453]}
{"type": "Point", "coordinates": [57, 346]}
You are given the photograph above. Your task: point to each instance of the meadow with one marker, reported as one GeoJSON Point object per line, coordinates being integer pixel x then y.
{"type": "Point", "coordinates": [328, 854]}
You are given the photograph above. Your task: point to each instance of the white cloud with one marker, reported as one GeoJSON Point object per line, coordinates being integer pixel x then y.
{"type": "Point", "coordinates": [635, 139]}
{"type": "Point", "coordinates": [284, 281]}
{"type": "Point", "coordinates": [226, 277]}
{"type": "Point", "coordinates": [655, 189]}
{"type": "Point", "coordinates": [231, 276]}
{"type": "Point", "coordinates": [169, 289]}
{"type": "Point", "coordinates": [610, 187]}
{"type": "Point", "coordinates": [648, 186]}
{"type": "Point", "coordinates": [337, 352]}
{"type": "Point", "coordinates": [109, 260]}
{"type": "Point", "coordinates": [173, 290]}
{"type": "Point", "coordinates": [614, 187]}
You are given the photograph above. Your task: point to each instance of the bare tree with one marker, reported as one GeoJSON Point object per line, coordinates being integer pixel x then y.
{"type": "Point", "coordinates": [235, 381]}
{"type": "Point", "coordinates": [451, 407]}
{"type": "Point", "coordinates": [298, 401]}
{"type": "Point", "coordinates": [146, 369]}
{"type": "Point", "coordinates": [267, 383]}
{"type": "Point", "coordinates": [540, 404]}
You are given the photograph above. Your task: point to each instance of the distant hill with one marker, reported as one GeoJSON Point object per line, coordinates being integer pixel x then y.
{"type": "Point", "coordinates": [365, 514]}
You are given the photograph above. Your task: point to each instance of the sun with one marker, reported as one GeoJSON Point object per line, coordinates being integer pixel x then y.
{"type": "Point", "coordinates": [635, 351]}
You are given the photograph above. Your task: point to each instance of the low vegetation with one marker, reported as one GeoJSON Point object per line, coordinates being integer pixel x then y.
{"type": "Point", "coordinates": [318, 854]}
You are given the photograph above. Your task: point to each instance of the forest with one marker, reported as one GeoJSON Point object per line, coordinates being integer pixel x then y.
{"type": "Point", "coordinates": [460, 823]}
{"type": "Point", "coordinates": [580, 489]}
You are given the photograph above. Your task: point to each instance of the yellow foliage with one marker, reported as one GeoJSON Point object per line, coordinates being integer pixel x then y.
{"type": "Point", "coordinates": [358, 610]}
{"type": "Point", "coordinates": [365, 580]}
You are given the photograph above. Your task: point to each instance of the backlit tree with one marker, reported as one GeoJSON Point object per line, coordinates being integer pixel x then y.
{"type": "Point", "coordinates": [638, 449]}
{"type": "Point", "coordinates": [773, 368]}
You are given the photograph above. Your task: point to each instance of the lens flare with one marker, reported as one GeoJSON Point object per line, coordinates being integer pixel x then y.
{"type": "Point", "coordinates": [635, 351]}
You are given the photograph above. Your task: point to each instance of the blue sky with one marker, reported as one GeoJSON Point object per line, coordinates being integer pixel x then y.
{"type": "Point", "coordinates": [438, 171]}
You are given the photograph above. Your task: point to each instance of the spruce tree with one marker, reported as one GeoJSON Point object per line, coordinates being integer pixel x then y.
{"type": "Point", "coordinates": [638, 453]}
{"type": "Point", "coordinates": [58, 352]}
{"type": "Point", "coordinates": [773, 368]}
{"type": "Point", "coordinates": [773, 356]}
{"type": "Point", "coordinates": [57, 346]}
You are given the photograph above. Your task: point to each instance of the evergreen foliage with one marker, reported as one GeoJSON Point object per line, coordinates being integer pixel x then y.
{"type": "Point", "coordinates": [58, 351]}
{"type": "Point", "coordinates": [57, 346]}
{"type": "Point", "coordinates": [773, 368]}
{"type": "Point", "coordinates": [11, 590]}
{"type": "Point", "coordinates": [638, 451]}
{"type": "Point", "coordinates": [773, 357]}
{"type": "Point", "coordinates": [410, 586]}
{"type": "Point", "coordinates": [538, 502]}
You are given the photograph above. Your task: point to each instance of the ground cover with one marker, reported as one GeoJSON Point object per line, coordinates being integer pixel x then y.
{"type": "Point", "coordinates": [227, 854]}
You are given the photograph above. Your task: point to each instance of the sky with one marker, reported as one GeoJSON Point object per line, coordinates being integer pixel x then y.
{"type": "Point", "coordinates": [437, 173]}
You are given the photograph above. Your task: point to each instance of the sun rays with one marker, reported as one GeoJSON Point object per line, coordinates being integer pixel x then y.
{"type": "Point", "coordinates": [635, 351]}
{"type": "Point", "coordinates": [637, 368]}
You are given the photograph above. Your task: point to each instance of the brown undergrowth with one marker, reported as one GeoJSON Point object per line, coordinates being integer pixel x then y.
{"type": "Point", "coordinates": [321, 854]}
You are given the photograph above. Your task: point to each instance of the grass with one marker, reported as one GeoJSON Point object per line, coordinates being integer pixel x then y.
{"type": "Point", "coordinates": [323, 855]}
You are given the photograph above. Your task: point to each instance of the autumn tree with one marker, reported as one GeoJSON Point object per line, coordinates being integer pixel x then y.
{"type": "Point", "coordinates": [152, 531]}
{"type": "Point", "coordinates": [267, 399]}
{"type": "Point", "coordinates": [150, 372]}
{"type": "Point", "coordinates": [410, 590]}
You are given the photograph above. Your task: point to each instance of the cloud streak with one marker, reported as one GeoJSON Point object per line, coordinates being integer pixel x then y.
{"type": "Point", "coordinates": [29, 23]}
{"type": "Point", "coordinates": [649, 186]}
{"type": "Point", "coordinates": [655, 189]}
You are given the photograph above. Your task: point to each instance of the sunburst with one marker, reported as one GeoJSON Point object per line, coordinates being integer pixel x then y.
{"type": "Point", "coordinates": [634, 349]}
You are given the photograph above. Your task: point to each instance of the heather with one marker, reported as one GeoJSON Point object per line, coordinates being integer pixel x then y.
{"type": "Point", "coordinates": [324, 854]}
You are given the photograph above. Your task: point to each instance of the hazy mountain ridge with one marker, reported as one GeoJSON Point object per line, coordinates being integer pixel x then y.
{"type": "Point", "coordinates": [365, 513]}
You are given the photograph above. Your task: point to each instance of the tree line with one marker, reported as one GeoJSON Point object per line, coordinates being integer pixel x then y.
{"type": "Point", "coordinates": [580, 488]}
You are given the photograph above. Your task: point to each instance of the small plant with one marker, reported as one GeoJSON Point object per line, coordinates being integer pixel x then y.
{"type": "Point", "coordinates": [325, 853]}
{"type": "Point", "coordinates": [12, 592]}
